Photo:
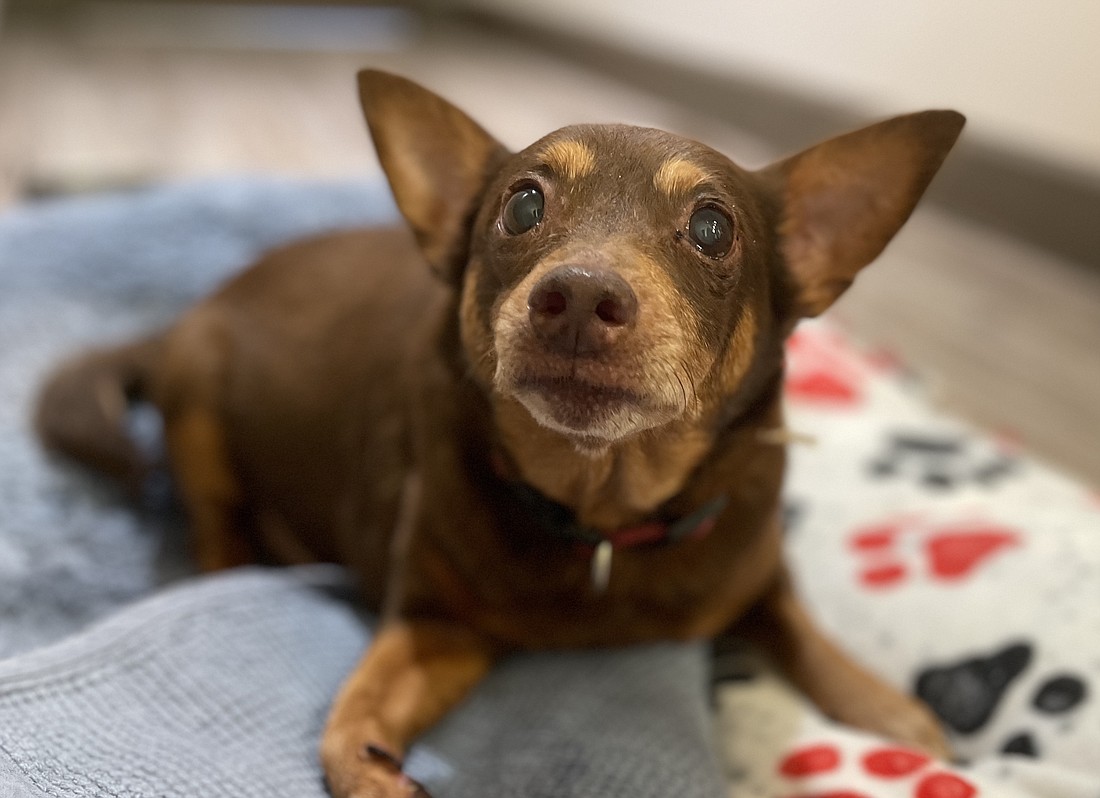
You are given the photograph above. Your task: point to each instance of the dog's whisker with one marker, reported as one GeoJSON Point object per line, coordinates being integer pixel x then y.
{"type": "Point", "coordinates": [783, 436]}
{"type": "Point", "coordinates": [683, 390]}
{"type": "Point", "coordinates": [483, 358]}
{"type": "Point", "coordinates": [694, 400]}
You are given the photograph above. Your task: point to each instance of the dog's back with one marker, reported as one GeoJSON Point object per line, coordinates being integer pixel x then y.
{"type": "Point", "coordinates": [302, 362]}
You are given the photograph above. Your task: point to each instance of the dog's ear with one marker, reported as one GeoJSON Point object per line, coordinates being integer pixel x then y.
{"type": "Point", "coordinates": [437, 160]}
{"type": "Point", "coordinates": [843, 200]}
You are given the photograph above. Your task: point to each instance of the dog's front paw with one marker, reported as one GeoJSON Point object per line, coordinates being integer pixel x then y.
{"type": "Point", "coordinates": [367, 771]}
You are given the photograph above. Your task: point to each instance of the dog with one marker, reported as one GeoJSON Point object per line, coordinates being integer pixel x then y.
{"type": "Point", "coordinates": [546, 413]}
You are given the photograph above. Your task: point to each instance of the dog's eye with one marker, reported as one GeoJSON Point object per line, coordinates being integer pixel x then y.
{"type": "Point", "coordinates": [523, 210]}
{"type": "Point", "coordinates": [711, 231]}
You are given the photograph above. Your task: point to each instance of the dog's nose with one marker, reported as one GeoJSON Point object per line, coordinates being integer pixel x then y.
{"type": "Point", "coordinates": [579, 311]}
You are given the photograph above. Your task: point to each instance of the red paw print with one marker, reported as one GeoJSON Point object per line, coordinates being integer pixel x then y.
{"type": "Point", "coordinates": [887, 764]}
{"type": "Point", "coordinates": [810, 760]}
{"type": "Point", "coordinates": [822, 369]}
{"type": "Point", "coordinates": [945, 552]}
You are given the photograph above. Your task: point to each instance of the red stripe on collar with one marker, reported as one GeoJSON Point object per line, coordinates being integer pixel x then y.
{"type": "Point", "coordinates": [695, 526]}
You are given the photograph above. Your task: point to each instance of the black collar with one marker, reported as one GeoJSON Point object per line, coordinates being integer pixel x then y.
{"type": "Point", "coordinates": [557, 520]}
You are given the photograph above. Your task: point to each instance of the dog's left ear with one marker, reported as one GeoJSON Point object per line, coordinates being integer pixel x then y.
{"type": "Point", "coordinates": [843, 200]}
{"type": "Point", "coordinates": [438, 162]}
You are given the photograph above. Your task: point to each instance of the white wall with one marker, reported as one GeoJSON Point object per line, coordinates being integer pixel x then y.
{"type": "Point", "coordinates": [1025, 72]}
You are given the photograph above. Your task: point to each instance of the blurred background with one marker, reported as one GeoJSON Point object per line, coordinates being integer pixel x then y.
{"type": "Point", "coordinates": [991, 294]}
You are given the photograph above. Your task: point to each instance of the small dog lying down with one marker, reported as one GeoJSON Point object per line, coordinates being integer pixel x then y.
{"type": "Point", "coordinates": [546, 414]}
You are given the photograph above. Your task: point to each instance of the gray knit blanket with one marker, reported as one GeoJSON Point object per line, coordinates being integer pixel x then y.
{"type": "Point", "coordinates": [122, 673]}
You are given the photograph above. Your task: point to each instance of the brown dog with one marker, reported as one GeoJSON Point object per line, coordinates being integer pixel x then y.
{"type": "Point", "coordinates": [569, 439]}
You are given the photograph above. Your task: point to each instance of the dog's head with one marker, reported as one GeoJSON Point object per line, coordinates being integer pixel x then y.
{"type": "Point", "coordinates": [614, 279]}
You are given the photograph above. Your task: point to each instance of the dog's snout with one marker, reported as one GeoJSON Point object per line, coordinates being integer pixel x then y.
{"type": "Point", "coordinates": [576, 310]}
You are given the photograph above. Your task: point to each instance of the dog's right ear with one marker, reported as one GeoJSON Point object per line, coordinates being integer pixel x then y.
{"type": "Point", "coordinates": [438, 162]}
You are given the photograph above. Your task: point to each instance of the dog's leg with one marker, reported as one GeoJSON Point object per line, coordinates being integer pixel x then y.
{"type": "Point", "coordinates": [843, 690]}
{"type": "Point", "coordinates": [413, 673]}
{"type": "Point", "coordinates": [200, 464]}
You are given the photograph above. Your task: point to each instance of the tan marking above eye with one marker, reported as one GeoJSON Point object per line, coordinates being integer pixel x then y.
{"type": "Point", "coordinates": [677, 177]}
{"type": "Point", "coordinates": [569, 158]}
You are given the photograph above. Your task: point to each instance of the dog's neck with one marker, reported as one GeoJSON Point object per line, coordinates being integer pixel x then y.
{"type": "Point", "coordinates": [610, 487]}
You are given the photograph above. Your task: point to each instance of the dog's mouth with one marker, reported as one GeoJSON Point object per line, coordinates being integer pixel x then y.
{"type": "Point", "coordinates": [588, 407]}
{"type": "Point", "coordinates": [572, 393]}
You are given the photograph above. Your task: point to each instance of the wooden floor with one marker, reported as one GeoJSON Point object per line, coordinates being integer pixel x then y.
{"type": "Point", "coordinates": [109, 95]}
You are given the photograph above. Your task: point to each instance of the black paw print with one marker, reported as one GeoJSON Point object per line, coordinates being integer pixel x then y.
{"type": "Point", "coordinates": [1055, 696]}
{"type": "Point", "coordinates": [966, 694]}
{"type": "Point", "coordinates": [941, 462]}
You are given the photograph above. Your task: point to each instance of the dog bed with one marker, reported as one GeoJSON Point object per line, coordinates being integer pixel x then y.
{"type": "Point", "coordinates": [949, 562]}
